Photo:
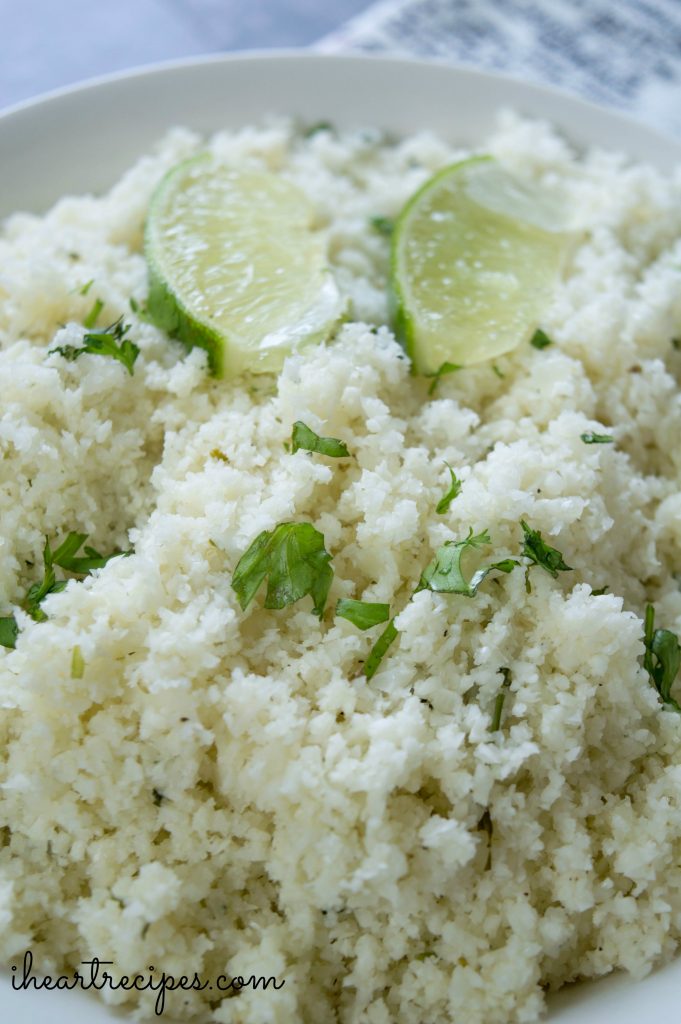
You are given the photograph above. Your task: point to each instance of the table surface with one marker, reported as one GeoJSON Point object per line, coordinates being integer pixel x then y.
{"type": "Point", "coordinates": [49, 43]}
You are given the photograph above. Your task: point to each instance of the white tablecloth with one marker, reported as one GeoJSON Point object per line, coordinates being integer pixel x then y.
{"type": "Point", "coordinates": [621, 52]}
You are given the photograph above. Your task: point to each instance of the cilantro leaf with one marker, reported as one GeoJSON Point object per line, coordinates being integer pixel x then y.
{"type": "Point", "coordinates": [109, 342]}
{"type": "Point", "coordinates": [384, 225]}
{"type": "Point", "coordinates": [294, 559]}
{"type": "Point", "coordinates": [65, 558]}
{"type": "Point", "coordinates": [37, 593]}
{"type": "Point", "coordinates": [141, 311]}
{"type": "Point", "coordinates": [91, 319]}
{"type": "Point", "coordinates": [501, 697]}
{"type": "Point", "coordinates": [540, 340]}
{"type": "Point", "coordinates": [662, 658]}
{"type": "Point", "coordinates": [444, 575]}
{"type": "Point", "coordinates": [363, 614]}
{"type": "Point", "coordinates": [9, 631]}
{"type": "Point", "coordinates": [443, 370]}
{"type": "Point", "coordinates": [318, 126]}
{"type": "Point", "coordinates": [541, 553]}
{"type": "Point", "coordinates": [378, 651]}
{"type": "Point", "coordinates": [597, 438]}
{"type": "Point", "coordinates": [454, 490]}
{"type": "Point", "coordinates": [303, 437]}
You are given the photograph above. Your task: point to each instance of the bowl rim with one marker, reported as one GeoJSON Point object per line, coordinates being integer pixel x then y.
{"type": "Point", "coordinates": [147, 71]}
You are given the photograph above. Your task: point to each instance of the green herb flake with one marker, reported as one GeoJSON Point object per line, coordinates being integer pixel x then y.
{"type": "Point", "coordinates": [378, 651]}
{"type": "Point", "coordinates": [676, 342]}
{"type": "Point", "coordinates": [443, 370]}
{"type": "Point", "coordinates": [65, 558]}
{"type": "Point", "coordinates": [445, 575]}
{"type": "Point", "coordinates": [600, 591]}
{"type": "Point", "coordinates": [541, 553]}
{"type": "Point", "coordinates": [140, 311]}
{"type": "Point", "coordinates": [384, 225]}
{"type": "Point", "coordinates": [9, 631]}
{"type": "Point", "coordinates": [293, 558]}
{"type": "Point", "coordinates": [662, 658]}
{"type": "Point", "coordinates": [87, 286]}
{"type": "Point", "coordinates": [37, 593]}
{"type": "Point", "coordinates": [316, 128]}
{"type": "Point", "coordinates": [363, 614]}
{"type": "Point", "coordinates": [540, 340]}
{"type": "Point", "coordinates": [454, 490]}
{"type": "Point", "coordinates": [65, 555]}
{"type": "Point", "coordinates": [597, 438]}
{"type": "Point", "coordinates": [306, 439]}
{"type": "Point", "coordinates": [109, 342]}
{"type": "Point", "coordinates": [77, 663]}
{"type": "Point", "coordinates": [91, 319]}
{"type": "Point", "coordinates": [500, 374]}
{"type": "Point", "coordinates": [500, 698]}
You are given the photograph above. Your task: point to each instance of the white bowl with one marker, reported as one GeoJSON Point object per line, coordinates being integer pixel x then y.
{"type": "Point", "coordinates": [81, 139]}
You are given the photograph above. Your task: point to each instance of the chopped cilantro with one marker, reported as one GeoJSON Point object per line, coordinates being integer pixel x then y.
{"type": "Point", "coordinates": [87, 286]}
{"type": "Point", "coordinates": [444, 575]}
{"type": "Point", "coordinates": [109, 342]}
{"type": "Point", "coordinates": [454, 490]}
{"type": "Point", "coordinates": [91, 319]}
{"type": "Point", "coordinates": [217, 454]}
{"type": "Point", "coordinates": [9, 631]}
{"type": "Point", "coordinates": [77, 663]}
{"type": "Point", "coordinates": [662, 658]}
{"type": "Point", "coordinates": [378, 651]}
{"type": "Point", "coordinates": [541, 553]}
{"type": "Point", "coordinates": [294, 559]}
{"type": "Point", "coordinates": [501, 697]}
{"type": "Point", "coordinates": [498, 372]}
{"type": "Point", "coordinates": [384, 225]}
{"type": "Point", "coordinates": [306, 439]}
{"type": "Point", "coordinates": [363, 614]}
{"type": "Point", "coordinates": [64, 557]}
{"type": "Point", "coordinates": [597, 438]}
{"type": "Point", "coordinates": [141, 311]}
{"type": "Point", "coordinates": [318, 126]}
{"type": "Point", "coordinates": [540, 340]}
{"type": "Point", "coordinates": [443, 370]}
{"type": "Point", "coordinates": [600, 591]}
{"type": "Point", "coordinates": [50, 585]}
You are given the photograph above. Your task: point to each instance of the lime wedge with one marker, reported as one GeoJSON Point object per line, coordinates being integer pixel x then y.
{"type": "Point", "coordinates": [237, 267]}
{"type": "Point", "coordinates": [476, 256]}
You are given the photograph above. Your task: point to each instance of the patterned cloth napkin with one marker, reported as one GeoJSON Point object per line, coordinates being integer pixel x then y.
{"type": "Point", "coordinates": [626, 53]}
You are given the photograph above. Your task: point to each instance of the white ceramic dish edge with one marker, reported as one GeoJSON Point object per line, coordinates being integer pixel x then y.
{"type": "Point", "coordinates": [85, 143]}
